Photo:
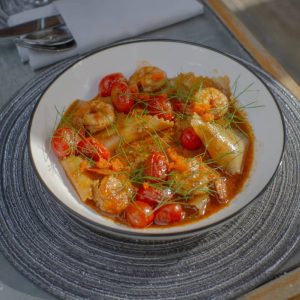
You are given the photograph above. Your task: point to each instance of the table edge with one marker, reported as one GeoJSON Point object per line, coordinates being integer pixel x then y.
{"type": "Point", "coordinates": [253, 46]}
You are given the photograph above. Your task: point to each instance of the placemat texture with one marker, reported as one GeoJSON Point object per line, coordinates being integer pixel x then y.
{"type": "Point", "coordinates": [71, 261]}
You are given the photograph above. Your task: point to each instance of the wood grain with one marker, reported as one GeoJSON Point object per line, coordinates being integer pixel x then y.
{"type": "Point", "coordinates": [285, 287]}
{"type": "Point", "coordinates": [255, 49]}
{"type": "Point", "coordinates": [275, 24]}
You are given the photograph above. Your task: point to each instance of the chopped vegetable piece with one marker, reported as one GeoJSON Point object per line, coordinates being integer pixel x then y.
{"type": "Point", "coordinates": [178, 163]}
{"type": "Point", "coordinates": [226, 146]}
{"type": "Point", "coordinates": [117, 165]}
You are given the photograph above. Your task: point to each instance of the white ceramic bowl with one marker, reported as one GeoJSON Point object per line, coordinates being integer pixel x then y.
{"type": "Point", "coordinates": [80, 81]}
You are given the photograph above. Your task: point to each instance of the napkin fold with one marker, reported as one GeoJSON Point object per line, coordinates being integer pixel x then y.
{"type": "Point", "coordinates": [96, 23]}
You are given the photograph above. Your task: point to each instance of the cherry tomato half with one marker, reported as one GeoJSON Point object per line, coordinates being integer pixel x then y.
{"type": "Point", "coordinates": [161, 107]}
{"type": "Point", "coordinates": [106, 83]}
{"type": "Point", "coordinates": [157, 166]}
{"type": "Point", "coordinates": [64, 142]}
{"type": "Point", "coordinates": [91, 148]}
{"type": "Point", "coordinates": [168, 214]}
{"type": "Point", "coordinates": [153, 196]}
{"type": "Point", "coordinates": [139, 214]}
{"type": "Point", "coordinates": [121, 97]}
{"type": "Point", "coordinates": [189, 139]}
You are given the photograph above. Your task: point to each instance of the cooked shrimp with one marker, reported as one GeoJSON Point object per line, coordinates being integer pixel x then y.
{"type": "Point", "coordinates": [149, 78]}
{"type": "Point", "coordinates": [94, 115]}
{"type": "Point", "coordinates": [211, 100]}
{"type": "Point", "coordinates": [195, 179]}
{"type": "Point", "coordinates": [113, 194]}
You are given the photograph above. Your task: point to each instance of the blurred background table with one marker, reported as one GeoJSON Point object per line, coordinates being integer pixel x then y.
{"type": "Point", "coordinates": [274, 23]}
{"type": "Point", "coordinates": [269, 31]}
{"type": "Point", "coordinates": [218, 27]}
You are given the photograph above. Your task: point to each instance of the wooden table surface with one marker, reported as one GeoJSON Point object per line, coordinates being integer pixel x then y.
{"type": "Point", "coordinates": [286, 286]}
{"type": "Point", "coordinates": [253, 46]}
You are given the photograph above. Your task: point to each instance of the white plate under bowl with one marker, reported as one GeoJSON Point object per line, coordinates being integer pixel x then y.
{"type": "Point", "coordinates": [80, 81]}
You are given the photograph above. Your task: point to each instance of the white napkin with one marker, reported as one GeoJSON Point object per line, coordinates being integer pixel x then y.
{"type": "Point", "coordinates": [94, 23]}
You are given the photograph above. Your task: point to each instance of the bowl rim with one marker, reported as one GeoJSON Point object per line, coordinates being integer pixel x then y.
{"type": "Point", "coordinates": [143, 235]}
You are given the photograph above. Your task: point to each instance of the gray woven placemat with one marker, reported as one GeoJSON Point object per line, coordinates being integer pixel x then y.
{"type": "Point", "coordinates": [72, 262]}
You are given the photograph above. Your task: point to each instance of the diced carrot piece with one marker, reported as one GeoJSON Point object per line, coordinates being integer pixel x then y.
{"type": "Point", "coordinates": [200, 108]}
{"type": "Point", "coordinates": [208, 117]}
{"type": "Point", "coordinates": [116, 164]}
{"type": "Point", "coordinates": [146, 185]}
{"type": "Point", "coordinates": [179, 162]}
{"type": "Point", "coordinates": [180, 166]}
{"type": "Point", "coordinates": [102, 164]}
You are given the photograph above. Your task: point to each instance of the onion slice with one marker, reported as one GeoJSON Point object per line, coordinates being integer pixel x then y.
{"type": "Point", "coordinates": [226, 146]}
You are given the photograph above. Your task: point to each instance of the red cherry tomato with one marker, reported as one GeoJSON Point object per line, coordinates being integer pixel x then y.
{"type": "Point", "coordinates": [64, 142]}
{"type": "Point", "coordinates": [139, 214]}
{"type": "Point", "coordinates": [178, 106]}
{"type": "Point", "coordinates": [106, 83]}
{"type": "Point", "coordinates": [157, 166]}
{"type": "Point", "coordinates": [91, 148]}
{"type": "Point", "coordinates": [153, 196]}
{"type": "Point", "coordinates": [168, 214]}
{"type": "Point", "coordinates": [161, 107]}
{"type": "Point", "coordinates": [121, 97]}
{"type": "Point", "coordinates": [189, 139]}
